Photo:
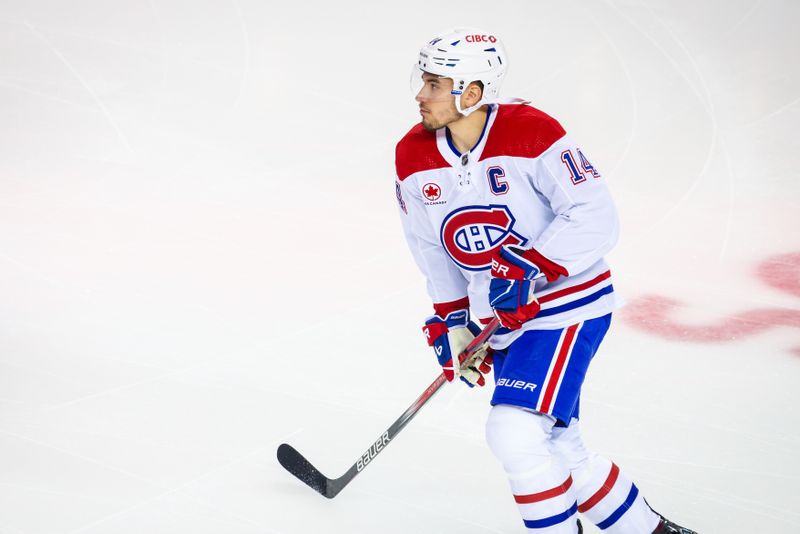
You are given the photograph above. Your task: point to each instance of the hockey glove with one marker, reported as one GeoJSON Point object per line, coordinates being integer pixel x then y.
{"type": "Point", "coordinates": [511, 288]}
{"type": "Point", "coordinates": [449, 337]}
{"type": "Point", "coordinates": [480, 363]}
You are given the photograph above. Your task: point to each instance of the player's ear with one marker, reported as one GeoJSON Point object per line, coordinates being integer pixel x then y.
{"type": "Point", "coordinates": [472, 94]}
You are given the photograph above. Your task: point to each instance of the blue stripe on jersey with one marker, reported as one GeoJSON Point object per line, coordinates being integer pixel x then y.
{"type": "Point", "coordinates": [553, 520]}
{"type": "Point", "coordinates": [610, 520]}
{"type": "Point", "coordinates": [502, 331]}
{"type": "Point", "coordinates": [564, 307]}
{"type": "Point", "coordinates": [576, 303]}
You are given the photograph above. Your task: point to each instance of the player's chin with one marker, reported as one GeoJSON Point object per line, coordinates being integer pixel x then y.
{"type": "Point", "coordinates": [430, 125]}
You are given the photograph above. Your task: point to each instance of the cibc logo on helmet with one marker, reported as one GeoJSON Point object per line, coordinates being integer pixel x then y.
{"type": "Point", "coordinates": [480, 39]}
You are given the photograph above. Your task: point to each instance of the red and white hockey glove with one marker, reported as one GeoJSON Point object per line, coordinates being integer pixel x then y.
{"type": "Point", "coordinates": [449, 336]}
{"type": "Point", "coordinates": [511, 287]}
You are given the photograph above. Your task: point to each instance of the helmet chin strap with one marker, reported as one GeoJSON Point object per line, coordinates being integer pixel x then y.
{"type": "Point", "coordinates": [466, 112]}
{"type": "Point", "coordinates": [484, 101]}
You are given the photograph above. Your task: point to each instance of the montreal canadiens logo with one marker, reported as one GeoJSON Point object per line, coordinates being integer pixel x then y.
{"type": "Point", "coordinates": [470, 235]}
{"type": "Point", "coordinates": [431, 191]}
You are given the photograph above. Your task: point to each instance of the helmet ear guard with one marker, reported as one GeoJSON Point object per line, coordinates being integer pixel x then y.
{"type": "Point", "coordinates": [463, 85]}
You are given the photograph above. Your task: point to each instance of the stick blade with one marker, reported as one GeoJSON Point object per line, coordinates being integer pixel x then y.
{"type": "Point", "coordinates": [296, 464]}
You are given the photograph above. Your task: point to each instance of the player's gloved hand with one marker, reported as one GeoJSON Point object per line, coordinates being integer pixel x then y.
{"type": "Point", "coordinates": [511, 288]}
{"type": "Point", "coordinates": [473, 368]}
{"type": "Point", "coordinates": [449, 336]}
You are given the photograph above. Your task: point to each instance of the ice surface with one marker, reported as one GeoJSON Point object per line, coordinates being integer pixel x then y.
{"type": "Point", "coordinates": [201, 258]}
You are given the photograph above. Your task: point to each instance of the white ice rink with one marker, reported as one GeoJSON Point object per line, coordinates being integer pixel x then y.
{"type": "Point", "coordinates": [201, 258]}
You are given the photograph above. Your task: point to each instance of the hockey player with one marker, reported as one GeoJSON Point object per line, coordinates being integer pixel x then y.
{"type": "Point", "coordinates": [505, 215]}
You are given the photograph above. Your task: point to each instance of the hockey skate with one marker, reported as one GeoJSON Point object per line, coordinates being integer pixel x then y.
{"type": "Point", "coordinates": [665, 526]}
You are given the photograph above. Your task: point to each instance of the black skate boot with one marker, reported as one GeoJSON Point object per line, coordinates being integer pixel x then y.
{"type": "Point", "coordinates": [580, 527]}
{"type": "Point", "coordinates": [665, 526]}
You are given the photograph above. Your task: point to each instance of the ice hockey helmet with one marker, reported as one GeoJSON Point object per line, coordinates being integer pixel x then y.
{"type": "Point", "coordinates": [466, 55]}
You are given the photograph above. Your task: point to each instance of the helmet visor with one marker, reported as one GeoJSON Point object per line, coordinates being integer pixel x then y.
{"type": "Point", "coordinates": [427, 87]}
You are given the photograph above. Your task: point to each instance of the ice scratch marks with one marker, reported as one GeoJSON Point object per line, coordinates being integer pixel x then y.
{"type": "Point", "coordinates": [100, 105]}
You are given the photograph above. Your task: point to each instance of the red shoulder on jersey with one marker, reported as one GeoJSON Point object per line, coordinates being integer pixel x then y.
{"type": "Point", "coordinates": [417, 151]}
{"type": "Point", "coordinates": [521, 131]}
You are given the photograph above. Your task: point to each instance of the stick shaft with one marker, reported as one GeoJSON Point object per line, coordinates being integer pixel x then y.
{"type": "Point", "coordinates": [296, 464]}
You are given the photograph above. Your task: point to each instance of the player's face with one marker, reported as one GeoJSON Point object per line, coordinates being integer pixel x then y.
{"type": "Point", "coordinates": [436, 103]}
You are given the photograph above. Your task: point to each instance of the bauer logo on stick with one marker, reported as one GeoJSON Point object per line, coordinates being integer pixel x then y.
{"type": "Point", "coordinates": [373, 451]}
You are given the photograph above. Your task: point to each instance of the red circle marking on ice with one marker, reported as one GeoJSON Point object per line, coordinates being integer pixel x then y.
{"type": "Point", "coordinates": [781, 272]}
{"type": "Point", "coordinates": [653, 314]}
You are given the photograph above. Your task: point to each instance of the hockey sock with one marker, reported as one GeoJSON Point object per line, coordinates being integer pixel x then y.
{"type": "Point", "coordinates": [606, 497]}
{"type": "Point", "coordinates": [542, 487]}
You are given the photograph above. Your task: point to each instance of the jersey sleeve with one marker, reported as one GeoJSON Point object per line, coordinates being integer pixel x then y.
{"type": "Point", "coordinates": [585, 226]}
{"type": "Point", "coordinates": [446, 285]}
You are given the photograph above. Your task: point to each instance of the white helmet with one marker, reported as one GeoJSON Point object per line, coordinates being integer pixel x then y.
{"type": "Point", "coordinates": [466, 55]}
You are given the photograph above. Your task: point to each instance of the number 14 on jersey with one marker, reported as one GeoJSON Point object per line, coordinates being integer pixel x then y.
{"type": "Point", "coordinates": [578, 172]}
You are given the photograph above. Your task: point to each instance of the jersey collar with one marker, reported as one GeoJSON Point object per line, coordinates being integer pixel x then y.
{"type": "Point", "coordinates": [451, 154]}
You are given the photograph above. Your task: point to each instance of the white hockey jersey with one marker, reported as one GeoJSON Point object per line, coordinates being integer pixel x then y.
{"type": "Point", "coordinates": [525, 183]}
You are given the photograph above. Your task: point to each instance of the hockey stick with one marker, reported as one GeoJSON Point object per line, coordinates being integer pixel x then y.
{"type": "Point", "coordinates": [296, 464]}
